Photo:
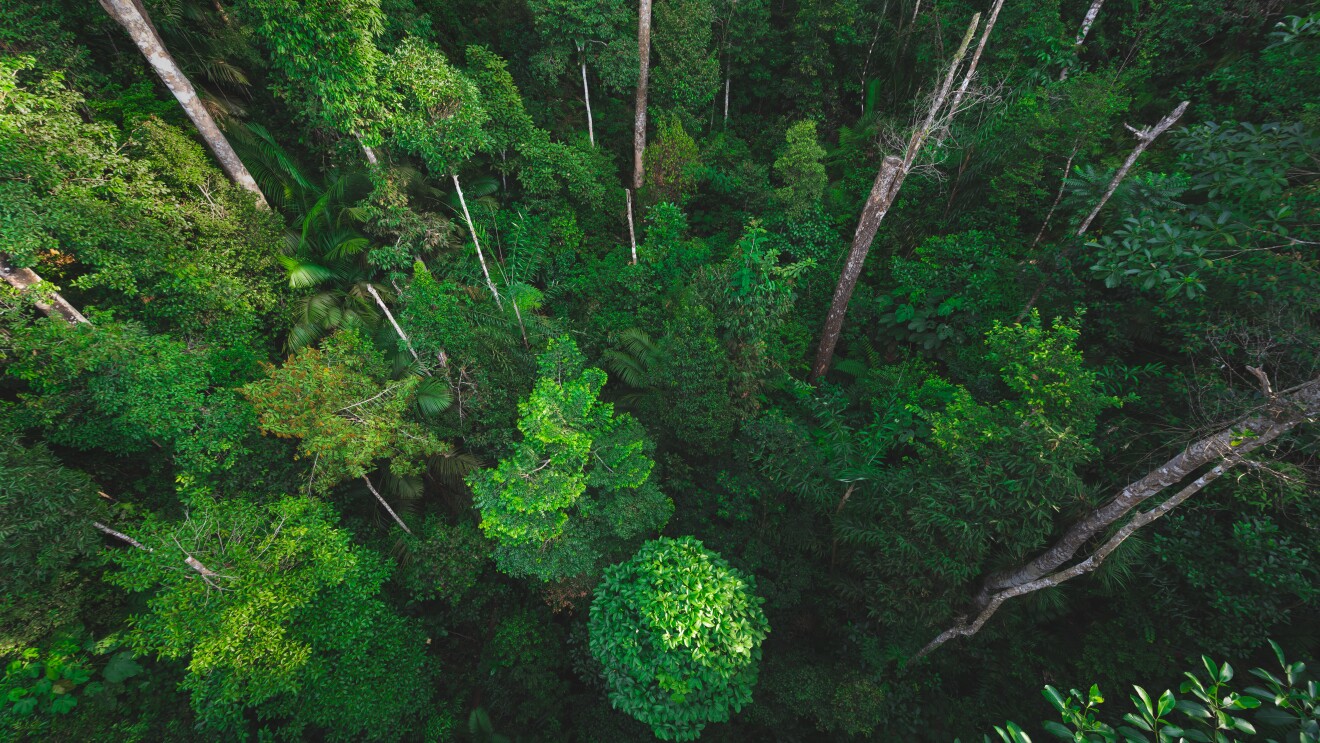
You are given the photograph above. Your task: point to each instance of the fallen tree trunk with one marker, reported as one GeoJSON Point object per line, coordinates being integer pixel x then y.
{"type": "Point", "coordinates": [1224, 450]}
{"type": "Point", "coordinates": [24, 279]}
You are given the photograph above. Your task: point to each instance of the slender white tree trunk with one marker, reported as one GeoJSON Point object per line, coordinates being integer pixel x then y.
{"type": "Point", "coordinates": [388, 510]}
{"type": "Point", "coordinates": [728, 82]}
{"type": "Point", "coordinates": [1144, 138]}
{"type": "Point", "coordinates": [472, 229]}
{"type": "Point", "coordinates": [1091, 14]}
{"type": "Point", "coordinates": [52, 304]}
{"type": "Point", "coordinates": [643, 81]}
{"type": "Point", "coordinates": [586, 96]}
{"type": "Point", "coordinates": [976, 58]}
{"type": "Point", "coordinates": [402, 336]}
{"type": "Point", "coordinates": [632, 233]}
{"type": "Point", "coordinates": [133, 17]}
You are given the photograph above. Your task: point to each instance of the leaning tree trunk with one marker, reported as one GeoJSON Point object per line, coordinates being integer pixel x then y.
{"type": "Point", "coordinates": [472, 229]}
{"type": "Point", "coordinates": [133, 17]}
{"type": "Point", "coordinates": [586, 96]}
{"type": "Point", "coordinates": [887, 184]}
{"type": "Point", "coordinates": [1223, 450]}
{"type": "Point", "coordinates": [1091, 14]}
{"type": "Point", "coordinates": [23, 279]}
{"type": "Point", "coordinates": [643, 81]}
{"type": "Point", "coordinates": [1144, 139]}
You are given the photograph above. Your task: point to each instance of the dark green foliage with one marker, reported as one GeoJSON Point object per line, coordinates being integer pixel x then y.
{"type": "Point", "coordinates": [998, 376]}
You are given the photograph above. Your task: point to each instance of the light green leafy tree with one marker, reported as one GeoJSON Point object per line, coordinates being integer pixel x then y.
{"type": "Point", "coordinates": [578, 487]}
{"type": "Point", "coordinates": [339, 402]}
{"type": "Point", "coordinates": [800, 170]}
{"type": "Point", "coordinates": [678, 632]}
{"type": "Point", "coordinates": [275, 609]}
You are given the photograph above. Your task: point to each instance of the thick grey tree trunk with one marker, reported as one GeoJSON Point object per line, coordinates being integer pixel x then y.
{"type": "Point", "coordinates": [23, 279]}
{"type": "Point", "coordinates": [1221, 451]}
{"type": "Point", "coordinates": [133, 17]}
{"type": "Point", "coordinates": [643, 81]}
{"type": "Point", "coordinates": [887, 184]}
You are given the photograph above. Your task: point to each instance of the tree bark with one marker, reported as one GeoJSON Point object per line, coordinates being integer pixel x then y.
{"type": "Point", "coordinates": [887, 184]}
{"type": "Point", "coordinates": [1091, 14]}
{"type": "Point", "coordinates": [389, 510]}
{"type": "Point", "coordinates": [133, 17]}
{"type": "Point", "coordinates": [728, 81]}
{"type": "Point", "coordinates": [390, 316]}
{"type": "Point", "coordinates": [586, 96]}
{"type": "Point", "coordinates": [481, 257]}
{"type": "Point", "coordinates": [1144, 138]}
{"type": "Point", "coordinates": [643, 81]}
{"type": "Point", "coordinates": [1225, 449]}
{"type": "Point", "coordinates": [23, 279]}
{"type": "Point", "coordinates": [976, 58]}
{"type": "Point", "coordinates": [632, 233]}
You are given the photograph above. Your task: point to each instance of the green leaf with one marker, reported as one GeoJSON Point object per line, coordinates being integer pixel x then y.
{"type": "Point", "coordinates": [121, 667]}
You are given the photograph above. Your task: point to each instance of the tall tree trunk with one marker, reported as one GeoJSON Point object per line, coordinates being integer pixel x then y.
{"type": "Point", "coordinates": [133, 17]}
{"type": "Point", "coordinates": [23, 279]}
{"type": "Point", "coordinates": [728, 82]}
{"type": "Point", "coordinates": [976, 58]}
{"type": "Point", "coordinates": [1091, 14]}
{"type": "Point", "coordinates": [887, 184]}
{"type": "Point", "coordinates": [388, 510]}
{"type": "Point", "coordinates": [586, 97]}
{"type": "Point", "coordinates": [472, 229]}
{"type": "Point", "coordinates": [402, 336]}
{"type": "Point", "coordinates": [1224, 450]}
{"type": "Point", "coordinates": [1144, 138]}
{"type": "Point", "coordinates": [643, 82]}
{"type": "Point", "coordinates": [632, 233]}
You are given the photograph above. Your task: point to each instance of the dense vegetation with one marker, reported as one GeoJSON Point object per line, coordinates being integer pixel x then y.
{"type": "Point", "coordinates": [589, 370]}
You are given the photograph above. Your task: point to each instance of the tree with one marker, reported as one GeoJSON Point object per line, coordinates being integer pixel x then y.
{"type": "Point", "coordinates": [284, 619]}
{"type": "Point", "coordinates": [578, 487]}
{"type": "Point", "coordinates": [339, 402]}
{"type": "Point", "coordinates": [1221, 451]}
{"type": "Point", "coordinates": [643, 86]}
{"type": "Point", "coordinates": [589, 30]}
{"type": "Point", "coordinates": [800, 170]}
{"type": "Point", "coordinates": [893, 171]}
{"type": "Point", "coordinates": [678, 633]}
{"type": "Point", "coordinates": [133, 17]}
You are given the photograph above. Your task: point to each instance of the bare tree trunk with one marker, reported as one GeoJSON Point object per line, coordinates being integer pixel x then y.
{"type": "Point", "coordinates": [976, 58]}
{"type": "Point", "coordinates": [632, 233]}
{"type": "Point", "coordinates": [402, 336]}
{"type": "Point", "coordinates": [1063, 184]}
{"type": "Point", "coordinates": [389, 510]}
{"type": "Point", "coordinates": [481, 257]}
{"type": "Point", "coordinates": [1225, 449]}
{"type": "Point", "coordinates": [367, 151]}
{"type": "Point", "coordinates": [121, 536]}
{"type": "Point", "coordinates": [586, 96]}
{"type": "Point", "coordinates": [1091, 14]}
{"type": "Point", "coordinates": [192, 562]}
{"type": "Point", "coordinates": [1144, 138]}
{"type": "Point", "coordinates": [729, 81]}
{"type": "Point", "coordinates": [133, 17]}
{"type": "Point", "coordinates": [23, 279]}
{"type": "Point", "coordinates": [887, 184]}
{"type": "Point", "coordinates": [643, 81]}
